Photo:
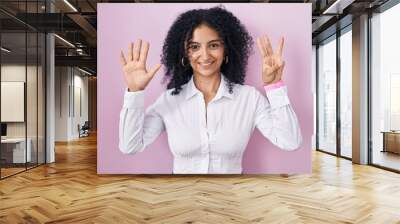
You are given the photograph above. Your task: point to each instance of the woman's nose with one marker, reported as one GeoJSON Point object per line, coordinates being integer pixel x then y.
{"type": "Point", "coordinates": [204, 53]}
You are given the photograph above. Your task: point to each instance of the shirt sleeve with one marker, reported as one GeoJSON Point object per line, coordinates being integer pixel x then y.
{"type": "Point", "coordinates": [137, 127]}
{"type": "Point", "coordinates": [276, 119]}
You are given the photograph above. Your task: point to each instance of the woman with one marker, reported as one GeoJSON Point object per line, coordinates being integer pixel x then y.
{"type": "Point", "coordinates": [208, 113]}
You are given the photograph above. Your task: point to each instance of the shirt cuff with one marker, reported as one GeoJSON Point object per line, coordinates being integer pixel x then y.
{"type": "Point", "coordinates": [133, 99]}
{"type": "Point", "coordinates": [278, 97]}
{"type": "Point", "coordinates": [274, 85]}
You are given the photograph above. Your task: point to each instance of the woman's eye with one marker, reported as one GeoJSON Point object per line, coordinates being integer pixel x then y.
{"type": "Point", "coordinates": [193, 47]}
{"type": "Point", "coordinates": [214, 46]}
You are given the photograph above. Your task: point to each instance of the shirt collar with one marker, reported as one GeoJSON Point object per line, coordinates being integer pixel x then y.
{"type": "Point", "coordinates": [223, 90]}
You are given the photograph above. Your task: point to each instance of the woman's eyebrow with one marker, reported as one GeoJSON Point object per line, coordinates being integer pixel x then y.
{"type": "Point", "coordinates": [194, 42]}
{"type": "Point", "coordinates": [217, 40]}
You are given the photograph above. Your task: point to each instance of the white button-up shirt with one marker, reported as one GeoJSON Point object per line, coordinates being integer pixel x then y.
{"type": "Point", "coordinates": [213, 139]}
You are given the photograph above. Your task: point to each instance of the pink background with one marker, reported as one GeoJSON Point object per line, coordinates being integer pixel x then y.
{"type": "Point", "coordinates": [118, 24]}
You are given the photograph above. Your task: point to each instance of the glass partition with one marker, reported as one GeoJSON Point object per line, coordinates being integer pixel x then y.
{"type": "Point", "coordinates": [22, 87]}
{"type": "Point", "coordinates": [13, 104]}
{"type": "Point", "coordinates": [385, 89]}
{"type": "Point", "coordinates": [32, 96]}
{"type": "Point", "coordinates": [41, 87]}
{"type": "Point", "coordinates": [327, 96]}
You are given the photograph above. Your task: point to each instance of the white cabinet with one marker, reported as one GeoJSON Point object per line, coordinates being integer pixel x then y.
{"type": "Point", "coordinates": [18, 149]}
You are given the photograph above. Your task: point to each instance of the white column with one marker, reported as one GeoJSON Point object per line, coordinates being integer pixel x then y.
{"type": "Point", "coordinates": [50, 100]}
{"type": "Point", "coordinates": [50, 92]}
{"type": "Point", "coordinates": [360, 90]}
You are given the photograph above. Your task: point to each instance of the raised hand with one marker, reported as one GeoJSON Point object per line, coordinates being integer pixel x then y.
{"type": "Point", "coordinates": [137, 77]}
{"type": "Point", "coordinates": [272, 63]}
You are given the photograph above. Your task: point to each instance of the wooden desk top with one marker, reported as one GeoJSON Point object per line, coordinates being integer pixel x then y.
{"type": "Point", "coordinates": [13, 140]}
{"type": "Point", "coordinates": [391, 132]}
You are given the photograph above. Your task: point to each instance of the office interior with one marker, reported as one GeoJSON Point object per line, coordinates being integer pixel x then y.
{"type": "Point", "coordinates": [48, 80]}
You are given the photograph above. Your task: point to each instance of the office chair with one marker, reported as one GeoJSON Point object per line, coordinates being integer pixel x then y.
{"type": "Point", "coordinates": [84, 130]}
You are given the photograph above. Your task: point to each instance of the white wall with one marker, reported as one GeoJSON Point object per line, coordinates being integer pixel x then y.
{"type": "Point", "coordinates": [71, 93]}
{"type": "Point", "coordinates": [61, 103]}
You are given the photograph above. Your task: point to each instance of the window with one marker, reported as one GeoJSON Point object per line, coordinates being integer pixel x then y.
{"type": "Point", "coordinates": [385, 89]}
{"type": "Point", "coordinates": [326, 136]}
{"type": "Point", "coordinates": [346, 93]}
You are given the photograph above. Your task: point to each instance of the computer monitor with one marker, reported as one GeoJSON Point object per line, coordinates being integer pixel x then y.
{"type": "Point", "coordinates": [3, 129]}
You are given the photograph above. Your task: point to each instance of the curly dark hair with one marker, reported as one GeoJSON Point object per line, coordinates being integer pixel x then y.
{"type": "Point", "coordinates": [237, 42]}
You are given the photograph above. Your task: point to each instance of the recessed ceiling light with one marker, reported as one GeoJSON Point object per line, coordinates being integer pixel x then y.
{"type": "Point", "coordinates": [5, 50]}
{"type": "Point", "coordinates": [84, 71]}
{"type": "Point", "coordinates": [338, 6]}
{"type": "Point", "coordinates": [70, 5]}
{"type": "Point", "coordinates": [64, 40]}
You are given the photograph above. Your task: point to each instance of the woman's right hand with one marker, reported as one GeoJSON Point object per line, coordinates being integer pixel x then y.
{"type": "Point", "coordinates": [137, 77]}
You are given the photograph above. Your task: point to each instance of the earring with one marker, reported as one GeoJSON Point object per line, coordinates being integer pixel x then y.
{"type": "Point", "coordinates": [183, 63]}
{"type": "Point", "coordinates": [226, 59]}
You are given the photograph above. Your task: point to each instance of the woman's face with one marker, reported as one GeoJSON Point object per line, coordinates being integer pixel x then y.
{"type": "Point", "coordinates": [205, 51]}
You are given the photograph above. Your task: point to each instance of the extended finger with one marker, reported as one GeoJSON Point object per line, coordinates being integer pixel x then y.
{"type": "Point", "coordinates": [280, 48]}
{"type": "Point", "coordinates": [264, 45]}
{"type": "Point", "coordinates": [268, 46]}
{"type": "Point", "coordinates": [136, 49]}
{"type": "Point", "coordinates": [122, 58]}
{"type": "Point", "coordinates": [280, 71]}
{"type": "Point", "coordinates": [154, 70]}
{"type": "Point", "coordinates": [130, 52]}
{"type": "Point", "coordinates": [144, 51]}
{"type": "Point", "coordinates": [261, 48]}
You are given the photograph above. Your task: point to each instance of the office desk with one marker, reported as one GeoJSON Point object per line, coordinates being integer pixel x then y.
{"type": "Point", "coordinates": [391, 141]}
{"type": "Point", "coordinates": [15, 148]}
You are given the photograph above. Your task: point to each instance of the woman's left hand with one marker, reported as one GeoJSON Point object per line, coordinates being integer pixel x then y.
{"type": "Point", "coordinates": [272, 63]}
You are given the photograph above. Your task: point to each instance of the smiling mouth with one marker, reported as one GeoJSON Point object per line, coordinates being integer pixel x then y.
{"type": "Point", "coordinates": [206, 64]}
